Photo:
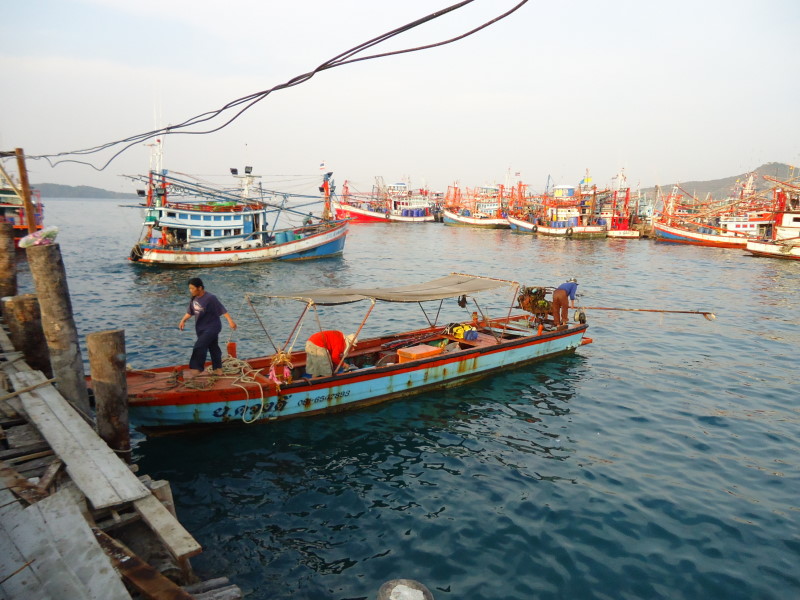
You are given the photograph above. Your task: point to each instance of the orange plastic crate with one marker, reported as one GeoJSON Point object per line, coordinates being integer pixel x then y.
{"type": "Point", "coordinates": [417, 352]}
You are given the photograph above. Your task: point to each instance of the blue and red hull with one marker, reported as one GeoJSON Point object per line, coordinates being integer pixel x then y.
{"type": "Point", "coordinates": [260, 400]}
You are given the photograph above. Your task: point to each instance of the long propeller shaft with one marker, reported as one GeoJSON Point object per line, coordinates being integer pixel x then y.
{"type": "Point", "coordinates": [708, 315]}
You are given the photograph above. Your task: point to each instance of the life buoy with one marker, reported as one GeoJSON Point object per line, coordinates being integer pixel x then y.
{"type": "Point", "coordinates": [535, 228]}
{"type": "Point", "coordinates": [569, 231]}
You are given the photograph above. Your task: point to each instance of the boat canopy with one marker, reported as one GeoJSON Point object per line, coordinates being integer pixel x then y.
{"type": "Point", "coordinates": [451, 286]}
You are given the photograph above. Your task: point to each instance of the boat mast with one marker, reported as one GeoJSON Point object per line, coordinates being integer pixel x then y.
{"type": "Point", "coordinates": [248, 179]}
{"type": "Point", "coordinates": [327, 189]}
{"type": "Point", "coordinates": [156, 166]}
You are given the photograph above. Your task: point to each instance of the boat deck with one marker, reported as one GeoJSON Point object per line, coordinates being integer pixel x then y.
{"type": "Point", "coordinates": [171, 384]}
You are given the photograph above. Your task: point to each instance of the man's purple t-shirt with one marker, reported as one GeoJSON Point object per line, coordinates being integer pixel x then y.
{"type": "Point", "coordinates": [206, 310]}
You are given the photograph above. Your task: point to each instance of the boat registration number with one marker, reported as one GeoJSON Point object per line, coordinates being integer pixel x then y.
{"type": "Point", "coordinates": [325, 398]}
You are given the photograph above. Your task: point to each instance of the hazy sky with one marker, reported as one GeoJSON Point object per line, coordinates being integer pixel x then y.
{"type": "Point", "coordinates": [670, 91]}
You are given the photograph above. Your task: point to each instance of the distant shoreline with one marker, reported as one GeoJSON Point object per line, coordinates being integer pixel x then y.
{"type": "Point", "coordinates": [55, 190]}
{"type": "Point", "coordinates": [718, 188]}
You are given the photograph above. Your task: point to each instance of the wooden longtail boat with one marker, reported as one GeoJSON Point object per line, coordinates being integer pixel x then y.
{"type": "Point", "coordinates": [392, 366]}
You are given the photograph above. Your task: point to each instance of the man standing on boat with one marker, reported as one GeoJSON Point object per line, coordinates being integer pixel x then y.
{"type": "Point", "coordinates": [207, 310]}
{"type": "Point", "coordinates": [563, 300]}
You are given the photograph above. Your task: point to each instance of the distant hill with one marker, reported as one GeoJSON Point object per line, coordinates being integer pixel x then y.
{"type": "Point", "coordinates": [54, 190]}
{"type": "Point", "coordinates": [722, 188]}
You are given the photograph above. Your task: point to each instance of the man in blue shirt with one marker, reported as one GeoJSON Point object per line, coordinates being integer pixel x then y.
{"type": "Point", "coordinates": [563, 300]}
{"type": "Point", "coordinates": [207, 311]}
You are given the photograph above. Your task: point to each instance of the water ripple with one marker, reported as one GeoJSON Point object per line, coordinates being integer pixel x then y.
{"type": "Point", "coordinates": [658, 462]}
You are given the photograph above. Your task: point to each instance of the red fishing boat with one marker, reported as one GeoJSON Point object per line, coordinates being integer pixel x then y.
{"type": "Point", "coordinates": [395, 203]}
{"type": "Point", "coordinates": [785, 239]}
{"type": "Point", "coordinates": [729, 223]}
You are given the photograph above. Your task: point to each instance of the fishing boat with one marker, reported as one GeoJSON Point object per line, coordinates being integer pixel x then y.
{"type": "Point", "coordinates": [729, 223]}
{"type": "Point", "coordinates": [190, 223]}
{"type": "Point", "coordinates": [524, 210]}
{"type": "Point", "coordinates": [572, 212]}
{"type": "Point", "coordinates": [484, 207]}
{"type": "Point", "coordinates": [394, 203]}
{"type": "Point", "coordinates": [12, 208]}
{"type": "Point", "coordinates": [371, 370]}
{"type": "Point", "coordinates": [785, 239]}
{"type": "Point", "coordinates": [621, 213]}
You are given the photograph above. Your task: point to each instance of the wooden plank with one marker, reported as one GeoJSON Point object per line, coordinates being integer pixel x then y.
{"type": "Point", "coordinates": [23, 435]}
{"type": "Point", "coordinates": [103, 478]}
{"type": "Point", "coordinates": [168, 529]}
{"type": "Point", "coordinates": [36, 467]}
{"type": "Point", "coordinates": [15, 393]}
{"type": "Point", "coordinates": [26, 541]}
{"type": "Point", "coordinates": [9, 505]}
{"type": "Point", "coordinates": [23, 488]}
{"type": "Point", "coordinates": [138, 573]}
{"type": "Point", "coordinates": [13, 356]}
{"type": "Point", "coordinates": [12, 421]}
{"type": "Point", "coordinates": [77, 546]}
{"type": "Point", "coordinates": [7, 411]}
{"type": "Point", "coordinates": [5, 341]}
{"type": "Point", "coordinates": [27, 457]}
{"type": "Point", "coordinates": [23, 450]}
{"type": "Point", "coordinates": [50, 474]}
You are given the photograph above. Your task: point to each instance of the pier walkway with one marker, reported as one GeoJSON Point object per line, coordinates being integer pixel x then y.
{"type": "Point", "coordinates": [75, 520]}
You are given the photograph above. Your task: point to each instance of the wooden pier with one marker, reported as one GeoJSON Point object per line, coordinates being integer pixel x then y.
{"type": "Point", "coordinates": [71, 509]}
{"type": "Point", "coordinates": [76, 521]}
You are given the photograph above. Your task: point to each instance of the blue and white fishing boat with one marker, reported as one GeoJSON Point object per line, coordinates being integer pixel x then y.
{"type": "Point", "coordinates": [370, 371]}
{"type": "Point", "coordinates": [189, 223]}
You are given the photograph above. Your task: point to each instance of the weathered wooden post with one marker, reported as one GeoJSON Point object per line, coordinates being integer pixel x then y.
{"type": "Point", "coordinates": [107, 365]}
{"type": "Point", "coordinates": [24, 322]}
{"type": "Point", "coordinates": [8, 261]}
{"type": "Point", "coordinates": [50, 279]}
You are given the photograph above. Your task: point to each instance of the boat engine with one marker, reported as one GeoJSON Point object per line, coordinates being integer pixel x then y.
{"type": "Point", "coordinates": [531, 299]}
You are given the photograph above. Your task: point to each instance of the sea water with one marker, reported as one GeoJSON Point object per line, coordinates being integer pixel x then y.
{"type": "Point", "coordinates": [661, 461]}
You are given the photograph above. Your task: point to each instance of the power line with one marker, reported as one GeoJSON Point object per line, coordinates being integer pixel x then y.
{"type": "Point", "coordinates": [247, 102]}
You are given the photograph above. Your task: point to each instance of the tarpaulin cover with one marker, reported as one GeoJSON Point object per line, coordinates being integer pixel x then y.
{"type": "Point", "coordinates": [451, 286]}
